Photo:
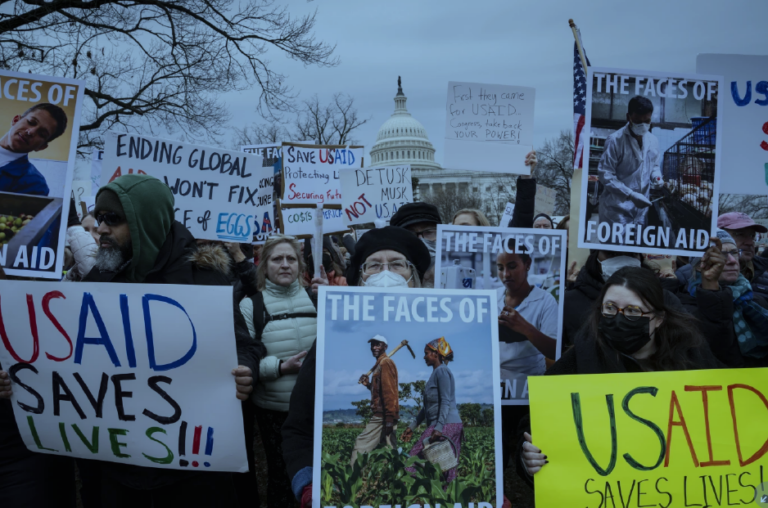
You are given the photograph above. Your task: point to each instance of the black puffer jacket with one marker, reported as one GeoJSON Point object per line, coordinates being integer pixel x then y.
{"type": "Point", "coordinates": [525, 201]}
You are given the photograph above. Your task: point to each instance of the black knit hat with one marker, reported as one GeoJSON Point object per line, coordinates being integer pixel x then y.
{"type": "Point", "coordinates": [108, 201]}
{"type": "Point", "coordinates": [388, 238]}
{"type": "Point", "coordinates": [413, 213]}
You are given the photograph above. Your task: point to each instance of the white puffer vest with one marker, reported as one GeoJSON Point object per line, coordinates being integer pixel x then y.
{"type": "Point", "coordinates": [283, 339]}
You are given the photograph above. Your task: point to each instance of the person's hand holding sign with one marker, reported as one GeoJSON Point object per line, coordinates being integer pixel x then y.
{"type": "Point", "coordinates": [533, 459]}
{"type": "Point", "coordinates": [711, 265]}
{"type": "Point", "coordinates": [244, 381]}
{"type": "Point", "coordinates": [530, 160]}
{"type": "Point", "coordinates": [5, 385]}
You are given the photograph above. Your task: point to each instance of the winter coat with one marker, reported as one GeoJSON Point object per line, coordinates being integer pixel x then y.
{"type": "Point", "coordinates": [164, 252]}
{"type": "Point", "coordinates": [299, 427]}
{"type": "Point", "coordinates": [283, 338]}
{"type": "Point", "coordinates": [83, 248]}
{"type": "Point", "coordinates": [22, 177]}
{"type": "Point", "coordinates": [525, 200]}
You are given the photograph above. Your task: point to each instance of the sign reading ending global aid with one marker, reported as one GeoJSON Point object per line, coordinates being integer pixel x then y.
{"type": "Point", "coordinates": [130, 373]}
{"type": "Point", "coordinates": [215, 190]}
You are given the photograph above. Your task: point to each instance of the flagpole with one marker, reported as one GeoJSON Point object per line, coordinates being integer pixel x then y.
{"type": "Point", "coordinates": [578, 45]}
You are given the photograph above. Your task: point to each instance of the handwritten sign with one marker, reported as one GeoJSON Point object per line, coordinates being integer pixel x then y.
{"type": "Point", "coordinates": [743, 109]}
{"type": "Point", "coordinates": [488, 127]}
{"type": "Point", "coordinates": [300, 221]}
{"type": "Point", "coordinates": [216, 191]}
{"type": "Point", "coordinates": [374, 193]}
{"type": "Point", "coordinates": [545, 201]}
{"type": "Point", "coordinates": [265, 212]}
{"type": "Point", "coordinates": [673, 439]}
{"type": "Point", "coordinates": [311, 172]}
{"type": "Point", "coordinates": [130, 373]}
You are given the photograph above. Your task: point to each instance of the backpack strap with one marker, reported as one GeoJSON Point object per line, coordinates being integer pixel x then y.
{"type": "Point", "coordinates": [260, 315]}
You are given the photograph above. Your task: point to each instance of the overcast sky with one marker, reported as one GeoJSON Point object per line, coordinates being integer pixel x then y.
{"type": "Point", "coordinates": [431, 42]}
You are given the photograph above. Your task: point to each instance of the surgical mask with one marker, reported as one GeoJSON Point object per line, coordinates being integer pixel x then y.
{"type": "Point", "coordinates": [623, 335]}
{"type": "Point", "coordinates": [431, 246]}
{"type": "Point", "coordinates": [614, 264]}
{"type": "Point", "coordinates": [638, 129]}
{"type": "Point", "coordinates": [386, 279]}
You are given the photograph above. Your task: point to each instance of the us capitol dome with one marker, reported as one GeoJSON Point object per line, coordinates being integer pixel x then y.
{"type": "Point", "coordinates": [403, 140]}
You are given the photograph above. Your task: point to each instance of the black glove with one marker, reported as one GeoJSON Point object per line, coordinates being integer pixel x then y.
{"type": "Point", "coordinates": [72, 220]}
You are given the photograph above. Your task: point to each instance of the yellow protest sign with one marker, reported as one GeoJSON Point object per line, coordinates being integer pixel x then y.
{"type": "Point", "coordinates": [656, 439]}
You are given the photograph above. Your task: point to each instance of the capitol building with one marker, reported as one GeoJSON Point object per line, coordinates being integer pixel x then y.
{"type": "Point", "coordinates": [403, 140]}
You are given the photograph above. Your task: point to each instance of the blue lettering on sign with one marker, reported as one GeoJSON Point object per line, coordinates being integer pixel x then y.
{"type": "Point", "coordinates": [760, 88]}
{"type": "Point", "coordinates": [467, 283]}
{"type": "Point", "coordinates": [150, 335]}
{"type": "Point", "coordinates": [234, 226]}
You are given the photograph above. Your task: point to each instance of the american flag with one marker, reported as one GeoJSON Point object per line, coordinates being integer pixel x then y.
{"type": "Point", "coordinates": [581, 138]}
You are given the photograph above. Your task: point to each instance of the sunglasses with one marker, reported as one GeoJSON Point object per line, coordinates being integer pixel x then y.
{"type": "Point", "coordinates": [110, 219]}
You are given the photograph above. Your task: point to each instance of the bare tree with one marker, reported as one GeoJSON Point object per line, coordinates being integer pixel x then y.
{"type": "Point", "coordinates": [256, 134]}
{"type": "Point", "coordinates": [159, 66]}
{"type": "Point", "coordinates": [754, 206]}
{"type": "Point", "coordinates": [555, 168]}
{"type": "Point", "coordinates": [330, 124]}
{"type": "Point", "coordinates": [449, 199]}
{"type": "Point", "coordinates": [502, 191]}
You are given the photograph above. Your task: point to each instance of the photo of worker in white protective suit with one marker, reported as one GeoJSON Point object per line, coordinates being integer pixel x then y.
{"type": "Point", "coordinates": [629, 167]}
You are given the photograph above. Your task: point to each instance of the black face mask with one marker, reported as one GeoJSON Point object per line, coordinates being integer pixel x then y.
{"type": "Point", "coordinates": [623, 335]}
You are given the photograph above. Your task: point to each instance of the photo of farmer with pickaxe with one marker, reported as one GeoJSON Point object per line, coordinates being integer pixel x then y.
{"type": "Point", "coordinates": [384, 399]}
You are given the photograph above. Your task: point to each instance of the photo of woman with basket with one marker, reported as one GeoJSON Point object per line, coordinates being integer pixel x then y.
{"type": "Point", "coordinates": [440, 443]}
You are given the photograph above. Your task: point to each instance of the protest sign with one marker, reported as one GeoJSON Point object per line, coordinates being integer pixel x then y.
{"type": "Point", "coordinates": [374, 193]}
{"type": "Point", "coordinates": [545, 201]}
{"type": "Point", "coordinates": [506, 217]}
{"type": "Point", "coordinates": [97, 156]}
{"type": "Point", "coordinates": [670, 439]}
{"type": "Point", "coordinates": [131, 373]}
{"type": "Point", "coordinates": [81, 189]}
{"type": "Point", "coordinates": [36, 172]}
{"type": "Point", "coordinates": [311, 172]}
{"type": "Point", "coordinates": [408, 319]}
{"type": "Point", "coordinates": [657, 197]}
{"type": "Point", "coordinates": [522, 266]}
{"type": "Point", "coordinates": [265, 213]}
{"type": "Point", "coordinates": [488, 127]}
{"type": "Point", "coordinates": [299, 221]}
{"type": "Point", "coordinates": [215, 190]}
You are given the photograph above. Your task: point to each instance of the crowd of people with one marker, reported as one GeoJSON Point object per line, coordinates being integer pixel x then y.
{"type": "Point", "coordinates": [621, 315]}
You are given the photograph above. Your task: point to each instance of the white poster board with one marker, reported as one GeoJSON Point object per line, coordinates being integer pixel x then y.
{"type": "Point", "coordinates": [311, 172]}
{"type": "Point", "coordinates": [629, 209]}
{"type": "Point", "coordinates": [300, 221]}
{"type": "Point", "coordinates": [469, 257]}
{"type": "Point", "coordinates": [506, 217]}
{"type": "Point", "coordinates": [215, 190]}
{"type": "Point", "coordinates": [488, 127]}
{"type": "Point", "coordinates": [374, 193]}
{"type": "Point", "coordinates": [347, 317]}
{"type": "Point", "coordinates": [35, 174]}
{"type": "Point", "coordinates": [130, 373]}
{"type": "Point", "coordinates": [266, 198]}
{"type": "Point", "coordinates": [743, 120]}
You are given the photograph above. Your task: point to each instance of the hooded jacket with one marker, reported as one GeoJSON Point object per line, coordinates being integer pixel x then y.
{"type": "Point", "coordinates": [164, 252]}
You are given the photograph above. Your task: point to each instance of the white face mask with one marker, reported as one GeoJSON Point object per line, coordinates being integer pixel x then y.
{"type": "Point", "coordinates": [431, 246]}
{"type": "Point", "coordinates": [614, 264]}
{"type": "Point", "coordinates": [640, 128]}
{"type": "Point", "coordinates": [386, 279]}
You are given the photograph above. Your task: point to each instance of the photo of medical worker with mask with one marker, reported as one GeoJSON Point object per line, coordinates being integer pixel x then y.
{"type": "Point", "coordinates": [629, 167]}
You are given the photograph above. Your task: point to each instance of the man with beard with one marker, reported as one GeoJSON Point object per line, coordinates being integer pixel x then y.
{"type": "Point", "coordinates": [31, 131]}
{"type": "Point", "coordinates": [140, 242]}
{"type": "Point", "coordinates": [385, 402]}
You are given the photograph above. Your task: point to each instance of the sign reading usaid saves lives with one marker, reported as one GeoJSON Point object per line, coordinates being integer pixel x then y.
{"type": "Point", "coordinates": [130, 373]}
{"type": "Point", "coordinates": [666, 439]}
{"type": "Point", "coordinates": [311, 172]}
{"type": "Point", "coordinates": [216, 191]}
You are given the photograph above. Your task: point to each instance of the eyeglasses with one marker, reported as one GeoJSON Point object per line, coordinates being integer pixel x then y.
{"type": "Point", "coordinates": [400, 267]}
{"type": "Point", "coordinates": [736, 253]}
{"type": "Point", "coordinates": [427, 234]}
{"type": "Point", "coordinates": [110, 219]}
{"type": "Point", "coordinates": [631, 312]}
